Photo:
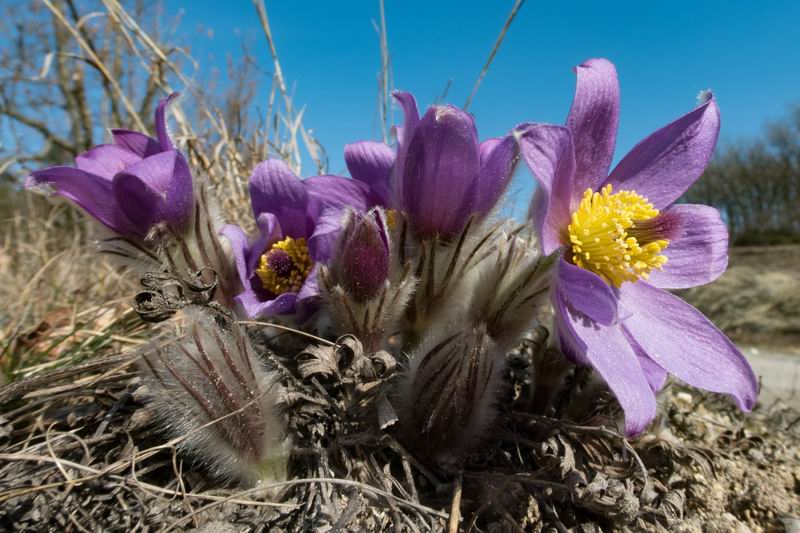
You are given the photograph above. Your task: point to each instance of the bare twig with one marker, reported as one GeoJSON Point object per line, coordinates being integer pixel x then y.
{"type": "Point", "coordinates": [511, 16]}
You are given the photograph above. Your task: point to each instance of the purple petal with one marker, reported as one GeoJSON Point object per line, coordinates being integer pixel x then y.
{"type": "Point", "coordinates": [275, 189]}
{"type": "Point", "coordinates": [586, 292]}
{"type": "Point", "coordinates": [593, 121]}
{"type": "Point", "coordinates": [371, 163]}
{"type": "Point", "coordinates": [665, 164]}
{"type": "Point", "coordinates": [698, 247]}
{"type": "Point", "coordinates": [138, 143]}
{"type": "Point", "coordinates": [269, 232]}
{"type": "Point", "coordinates": [411, 114]}
{"type": "Point", "coordinates": [156, 189]}
{"type": "Point", "coordinates": [339, 192]}
{"type": "Point", "coordinates": [607, 350]}
{"type": "Point", "coordinates": [162, 132]}
{"type": "Point", "coordinates": [498, 159]}
{"type": "Point", "coordinates": [653, 373]}
{"type": "Point", "coordinates": [106, 160]}
{"type": "Point", "coordinates": [90, 192]}
{"type": "Point", "coordinates": [322, 243]}
{"type": "Point", "coordinates": [310, 288]}
{"type": "Point", "coordinates": [254, 307]}
{"type": "Point", "coordinates": [686, 344]}
{"type": "Point", "coordinates": [548, 152]}
{"type": "Point", "coordinates": [308, 298]}
{"type": "Point", "coordinates": [363, 256]}
{"type": "Point", "coordinates": [404, 136]}
{"type": "Point", "coordinates": [240, 248]}
{"type": "Point", "coordinates": [440, 172]}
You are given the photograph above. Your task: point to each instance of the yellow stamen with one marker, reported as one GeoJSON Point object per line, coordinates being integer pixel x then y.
{"type": "Point", "coordinates": [391, 218]}
{"type": "Point", "coordinates": [602, 236]}
{"type": "Point", "coordinates": [285, 266]}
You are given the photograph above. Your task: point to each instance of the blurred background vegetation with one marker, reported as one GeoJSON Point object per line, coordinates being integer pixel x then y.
{"type": "Point", "coordinates": [755, 183]}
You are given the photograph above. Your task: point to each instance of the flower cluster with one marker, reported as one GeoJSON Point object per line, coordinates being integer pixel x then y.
{"type": "Point", "coordinates": [410, 256]}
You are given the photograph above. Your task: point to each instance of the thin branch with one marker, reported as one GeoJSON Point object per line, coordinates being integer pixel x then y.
{"type": "Point", "coordinates": [511, 16]}
{"type": "Point", "coordinates": [103, 70]}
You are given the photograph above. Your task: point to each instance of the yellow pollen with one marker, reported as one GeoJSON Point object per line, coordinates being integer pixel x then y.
{"type": "Point", "coordinates": [391, 218]}
{"type": "Point", "coordinates": [602, 240]}
{"type": "Point", "coordinates": [289, 274]}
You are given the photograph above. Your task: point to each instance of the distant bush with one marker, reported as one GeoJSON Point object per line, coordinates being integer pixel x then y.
{"type": "Point", "coordinates": [756, 185]}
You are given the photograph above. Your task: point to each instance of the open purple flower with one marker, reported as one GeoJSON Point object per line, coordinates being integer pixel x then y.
{"type": "Point", "coordinates": [440, 174]}
{"type": "Point", "coordinates": [130, 185]}
{"type": "Point", "coordinates": [298, 223]}
{"type": "Point", "coordinates": [625, 240]}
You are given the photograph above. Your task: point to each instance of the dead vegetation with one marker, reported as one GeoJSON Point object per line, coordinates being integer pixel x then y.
{"type": "Point", "coordinates": [80, 451]}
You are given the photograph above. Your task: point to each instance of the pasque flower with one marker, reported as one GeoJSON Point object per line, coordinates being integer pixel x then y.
{"type": "Point", "coordinates": [130, 185]}
{"type": "Point", "coordinates": [440, 175]}
{"type": "Point", "coordinates": [298, 223]}
{"type": "Point", "coordinates": [625, 241]}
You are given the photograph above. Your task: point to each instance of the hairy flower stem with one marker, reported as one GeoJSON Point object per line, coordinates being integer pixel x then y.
{"type": "Point", "coordinates": [197, 248]}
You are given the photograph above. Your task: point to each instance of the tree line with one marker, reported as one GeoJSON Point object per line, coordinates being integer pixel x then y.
{"type": "Point", "coordinates": [755, 184]}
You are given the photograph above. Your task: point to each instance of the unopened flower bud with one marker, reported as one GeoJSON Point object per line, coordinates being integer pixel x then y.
{"type": "Point", "coordinates": [210, 390]}
{"type": "Point", "coordinates": [448, 396]}
{"type": "Point", "coordinates": [366, 287]}
{"type": "Point", "coordinates": [364, 256]}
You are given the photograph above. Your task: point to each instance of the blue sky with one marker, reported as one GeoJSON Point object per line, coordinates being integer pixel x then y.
{"type": "Point", "coordinates": [665, 52]}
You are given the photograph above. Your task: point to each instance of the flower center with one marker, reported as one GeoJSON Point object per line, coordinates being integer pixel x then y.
{"type": "Point", "coordinates": [614, 236]}
{"type": "Point", "coordinates": [285, 266]}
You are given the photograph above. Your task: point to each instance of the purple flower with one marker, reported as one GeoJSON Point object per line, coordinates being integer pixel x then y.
{"type": "Point", "coordinates": [130, 185]}
{"type": "Point", "coordinates": [440, 174]}
{"type": "Point", "coordinates": [298, 223]}
{"type": "Point", "coordinates": [625, 240]}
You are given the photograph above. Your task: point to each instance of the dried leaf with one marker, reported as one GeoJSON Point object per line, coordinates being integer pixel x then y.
{"type": "Point", "coordinates": [386, 414]}
{"type": "Point", "coordinates": [318, 360]}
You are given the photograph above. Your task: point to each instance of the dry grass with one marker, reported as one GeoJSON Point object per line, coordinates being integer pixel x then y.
{"type": "Point", "coordinates": [80, 451]}
{"type": "Point", "coordinates": [757, 300]}
{"type": "Point", "coordinates": [62, 302]}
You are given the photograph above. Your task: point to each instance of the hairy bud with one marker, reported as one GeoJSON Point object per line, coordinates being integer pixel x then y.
{"type": "Point", "coordinates": [447, 397]}
{"type": "Point", "coordinates": [366, 286]}
{"type": "Point", "coordinates": [211, 391]}
{"type": "Point", "coordinates": [512, 285]}
{"type": "Point", "coordinates": [363, 256]}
